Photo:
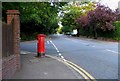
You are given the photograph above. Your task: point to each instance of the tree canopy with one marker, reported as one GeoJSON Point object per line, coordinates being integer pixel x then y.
{"type": "Point", "coordinates": [101, 18]}
{"type": "Point", "coordinates": [74, 10]}
{"type": "Point", "coordinates": [37, 14]}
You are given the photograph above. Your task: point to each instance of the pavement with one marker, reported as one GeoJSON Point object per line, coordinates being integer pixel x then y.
{"type": "Point", "coordinates": [43, 68]}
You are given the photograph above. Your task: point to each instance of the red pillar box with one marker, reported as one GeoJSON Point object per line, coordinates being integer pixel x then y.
{"type": "Point", "coordinates": [41, 45]}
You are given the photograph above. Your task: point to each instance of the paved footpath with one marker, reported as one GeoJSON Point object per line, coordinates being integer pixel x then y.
{"type": "Point", "coordinates": [44, 68]}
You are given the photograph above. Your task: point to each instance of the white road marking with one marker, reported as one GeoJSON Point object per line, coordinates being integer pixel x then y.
{"type": "Point", "coordinates": [58, 51]}
{"type": "Point", "coordinates": [84, 43]}
{"type": "Point", "coordinates": [64, 60]}
{"type": "Point", "coordinates": [77, 42]}
{"type": "Point", "coordinates": [60, 54]}
{"type": "Point", "coordinates": [70, 39]}
{"type": "Point", "coordinates": [45, 73]}
{"type": "Point", "coordinates": [62, 57]}
{"type": "Point", "coordinates": [24, 52]}
{"type": "Point", "coordinates": [111, 51]}
{"type": "Point", "coordinates": [75, 67]}
{"type": "Point", "coordinates": [66, 38]}
{"type": "Point", "coordinates": [54, 46]}
{"type": "Point", "coordinates": [48, 42]}
{"type": "Point", "coordinates": [74, 41]}
{"type": "Point", "coordinates": [83, 71]}
{"type": "Point", "coordinates": [93, 46]}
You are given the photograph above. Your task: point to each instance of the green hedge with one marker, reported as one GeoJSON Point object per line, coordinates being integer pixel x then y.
{"type": "Point", "coordinates": [113, 34]}
{"type": "Point", "coordinates": [27, 37]}
{"type": "Point", "coordinates": [117, 30]}
{"type": "Point", "coordinates": [84, 32]}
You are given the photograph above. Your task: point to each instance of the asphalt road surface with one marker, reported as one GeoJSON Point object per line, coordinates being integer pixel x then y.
{"type": "Point", "coordinates": [98, 58]}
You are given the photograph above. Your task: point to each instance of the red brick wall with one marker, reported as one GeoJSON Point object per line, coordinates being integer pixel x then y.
{"type": "Point", "coordinates": [12, 63]}
{"type": "Point", "coordinates": [17, 37]}
{"type": "Point", "coordinates": [0, 69]}
{"type": "Point", "coordinates": [9, 66]}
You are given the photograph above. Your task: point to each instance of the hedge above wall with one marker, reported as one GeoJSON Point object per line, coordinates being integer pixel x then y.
{"type": "Point", "coordinates": [117, 30]}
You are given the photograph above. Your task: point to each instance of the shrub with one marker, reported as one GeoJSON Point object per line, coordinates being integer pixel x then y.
{"type": "Point", "coordinates": [99, 19]}
{"type": "Point", "coordinates": [117, 30]}
{"type": "Point", "coordinates": [27, 37]}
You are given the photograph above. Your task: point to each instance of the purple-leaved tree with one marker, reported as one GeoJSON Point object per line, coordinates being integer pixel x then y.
{"type": "Point", "coordinates": [100, 18]}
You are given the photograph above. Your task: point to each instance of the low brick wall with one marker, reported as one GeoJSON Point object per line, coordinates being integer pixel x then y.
{"type": "Point", "coordinates": [0, 69]}
{"type": "Point", "coordinates": [10, 65]}
{"type": "Point", "coordinates": [10, 45]}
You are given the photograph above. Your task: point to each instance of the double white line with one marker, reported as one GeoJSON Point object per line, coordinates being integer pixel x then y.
{"type": "Point", "coordinates": [77, 68]}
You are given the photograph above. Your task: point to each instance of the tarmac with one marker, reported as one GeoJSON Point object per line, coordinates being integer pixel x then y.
{"type": "Point", "coordinates": [33, 67]}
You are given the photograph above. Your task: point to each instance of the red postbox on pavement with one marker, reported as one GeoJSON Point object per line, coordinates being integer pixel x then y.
{"type": "Point", "coordinates": [41, 45]}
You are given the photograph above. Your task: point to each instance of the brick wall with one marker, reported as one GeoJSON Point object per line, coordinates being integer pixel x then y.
{"type": "Point", "coordinates": [11, 64]}
{"type": "Point", "coordinates": [0, 69]}
{"type": "Point", "coordinates": [0, 50]}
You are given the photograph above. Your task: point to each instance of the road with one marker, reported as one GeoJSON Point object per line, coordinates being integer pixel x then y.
{"type": "Point", "coordinates": [98, 58]}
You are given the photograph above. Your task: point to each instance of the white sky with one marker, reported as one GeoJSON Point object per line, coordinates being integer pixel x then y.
{"type": "Point", "coordinates": [113, 4]}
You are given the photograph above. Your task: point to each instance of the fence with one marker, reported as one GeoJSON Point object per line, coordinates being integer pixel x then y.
{"type": "Point", "coordinates": [7, 38]}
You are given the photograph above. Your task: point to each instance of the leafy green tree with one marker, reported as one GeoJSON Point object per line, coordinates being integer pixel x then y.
{"type": "Point", "coordinates": [74, 10]}
{"type": "Point", "coordinates": [37, 17]}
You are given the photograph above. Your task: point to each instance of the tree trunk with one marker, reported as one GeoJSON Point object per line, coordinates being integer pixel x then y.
{"type": "Point", "coordinates": [95, 33]}
{"type": "Point", "coordinates": [88, 30]}
{"type": "Point", "coordinates": [78, 32]}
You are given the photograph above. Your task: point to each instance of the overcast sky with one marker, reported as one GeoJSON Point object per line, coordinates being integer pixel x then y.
{"type": "Point", "coordinates": [113, 4]}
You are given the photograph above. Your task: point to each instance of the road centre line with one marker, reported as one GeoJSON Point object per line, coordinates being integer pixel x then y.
{"type": "Point", "coordinates": [78, 69]}
{"type": "Point", "coordinates": [93, 46]}
{"type": "Point", "coordinates": [66, 38]}
{"type": "Point", "coordinates": [74, 41]}
{"type": "Point", "coordinates": [70, 39]}
{"type": "Point", "coordinates": [81, 42]}
{"type": "Point", "coordinates": [111, 51]}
